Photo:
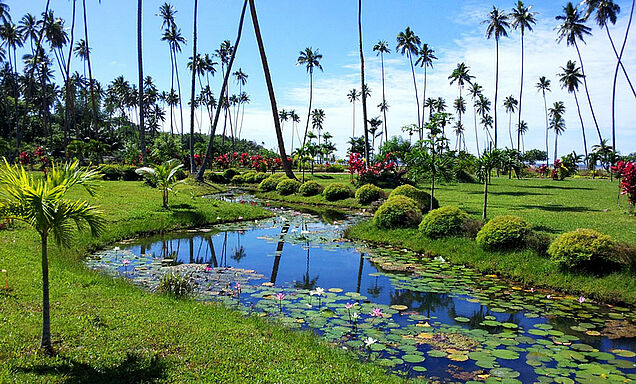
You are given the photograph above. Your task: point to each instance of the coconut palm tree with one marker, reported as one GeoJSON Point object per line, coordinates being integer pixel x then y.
{"type": "Point", "coordinates": [498, 26]}
{"type": "Point", "coordinates": [363, 87]}
{"type": "Point", "coordinates": [483, 108]}
{"type": "Point", "coordinates": [41, 202]}
{"type": "Point", "coordinates": [12, 39]}
{"type": "Point", "coordinates": [522, 19]}
{"type": "Point", "coordinates": [543, 86]}
{"type": "Point", "coordinates": [317, 120]}
{"type": "Point", "coordinates": [375, 124]}
{"type": "Point", "coordinates": [140, 63]}
{"type": "Point", "coordinates": [90, 69]}
{"type": "Point", "coordinates": [310, 59]}
{"type": "Point", "coordinates": [570, 79]}
{"type": "Point", "coordinates": [164, 175]}
{"type": "Point", "coordinates": [573, 29]}
{"type": "Point", "coordinates": [193, 166]}
{"type": "Point", "coordinates": [382, 48]}
{"type": "Point", "coordinates": [557, 123]}
{"type": "Point", "coordinates": [408, 43]}
{"type": "Point", "coordinates": [510, 103]}
{"type": "Point", "coordinates": [460, 107]}
{"type": "Point", "coordinates": [425, 60]}
{"type": "Point", "coordinates": [353, 96]}
{"type": "Point", "coordinates": [461, 75]}
{"type": "Point", "coordinates": [28, 28]}
{"type": "Point", "coordinates": [172, 35]}
{"type": "Point", "coordinates": [295, 119]}
{"type": "Point", "coordinates": [475, 91]}
{"type": "Point", "coordinates": [5, 16]}
{"type": "Point", "coordinates": [488, 161]}
{"type": "Point", "coordinates": [522, 129]}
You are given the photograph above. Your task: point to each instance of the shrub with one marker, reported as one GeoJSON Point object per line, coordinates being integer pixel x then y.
{"type": "Point", "coordinates": [310, 188]}
{"type": "Point", "coordinates": [463, 176]}
{"type": "Point", "coordinates": [176, 285]}
{"type": "Point", "coordinates": [269, 184]}
{"type": "Point", "coordinates": [336, 192]}
{"type": "Point", "coordinates": [112, 172]}
{"type": "Point", "coordinates": [238, 179]}
{"type": "Point", "coordinates": [398, 212]}
{"type": "Point", "coordinates": [129, 173]}
{"type": "Point", "coordinates": [422, 198]}
{"type": "Point", "coordinates": [444, 222]}
{"type": "Point", "coordinates": [249, 177]}
{"type": "Point", "coordinates": [583, 248]}
{"type": "Point", "coordinates": [230, 173]}
{"type": "Point", "coordinates": [540, 242]}
{"type": "Point", "coordinates": [335, 168]}
{"type": "Point", "coordinates": [287, 187]}
{"type": "Point", "coordinates": [369, 193]}
{"type": "Point", "coordinates": [260, 176]}
{"type": "Point", "coordinates": [504, 232]}
{"type": "Point", "coordinates": [214, 177]}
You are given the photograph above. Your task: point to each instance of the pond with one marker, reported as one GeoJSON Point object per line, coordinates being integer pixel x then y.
{"type": "Point", "coordinates": [414, 315]}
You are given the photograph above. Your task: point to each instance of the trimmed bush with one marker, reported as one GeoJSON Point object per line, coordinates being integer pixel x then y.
{"type": "Point", "coordinates": [504, 232]}
{"type": "Point", "coordinates": [287, 187]}
{"type": "Point", "coordinates": [444, 222]}
{"type": "Point", "coordinates": [310, 188]}
{"type": "Point", "coordinates": [269, 184]}
{"type": "Point", "coordinates": [230, 173]}
{"type": "Point", "coordinates": [238, 179]}
{"type": "Point", "coordinates": [398, 212]}
{"type": "Point", "coordinates": [249, 177]}
{"type": "Point", "coordinates": [422, 198]}
{"type": "Point", "coordinates": [336, 192]}
{"type": "Point", "coordinates": [112, 172]}
{"type": "Point", "coordinates": [260, 176]}
{"type": "Point", "coordinates": [214, 177]}
{"type": "Point", "coordinates": [369, 193]}
{"type": "Point", "coordinates": [583, 248]}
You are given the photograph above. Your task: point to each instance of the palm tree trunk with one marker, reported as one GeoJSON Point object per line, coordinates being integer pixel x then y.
{"type": "Point", "coordinates": [556, 138]}
{"type": "Point", "coordinates": [353, 132]}
{"type": "Point", "coordinates": [311, 95]}
{"type": "Point", "coordinates": [510, 130]}
{"type": "Point", "coordinates": [68, 107]}
{"type": "Point", "coordinates": [45, 342]}
{"type": "Point", "coordinates": [424, 98]}
{"type": "Point", "coordinates": [14, 84]}
{"type": "Point", "coordinates": [587, 92]}
{"type": "Point", "coordinates": [476, 133]}
{"type": "Point", "coordinates": [417, 99]}
{"type": "Point", "coordinates": [142, 128]}
{"type": "Point", "coordinates": [620, 62]}
{"type": "Point", "coordinates": [171, 92]}
{"type": "Point", "coordinates": [193, 166]}
{"type": "Point", "coordinates": [483, 215]}
{"type": "Point", "coordinates": [90, 72]}
{"type": "Point", "coordinates": [582, 125]}
{"type": "Point", "coordinates": [179, 93]}
{"type": "Point", "coordinates": [620, 56]}
{"type": "Point", "coordinates": [208, 152]}
{"type": "Point", "coordinates": [520, 92]}
{"type": "Point", "coordinates": [386, 131]}
{"type": "Point", "coordinates": [363, 87]}
{"type": "Point", "coordinates": [272, 97]}
{"type": "Point", "coordinates": [547, 128]}
{"type": "Point", "coordinates": [495, 105]}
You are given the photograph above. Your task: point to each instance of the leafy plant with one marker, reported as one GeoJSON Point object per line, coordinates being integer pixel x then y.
{"type": "Point", "coordinates": [336, 192]}
{"type": "Point", "coordinates": [421, 198]}
{"type": "Point", "coordinates": [310, 188]}
{"type": "Point", "coordinates": [444, 222]}
{"type": "Point", "coordinates": [269, 184]}
{"type": "Point", "coordinates": [176, 285]}
{"type": "Point", "coordinates": [398, 212]}
{"type": "Point", "coordinates": [164, 176]}
{"type": "Point", "coordinates": [287, 187]}
{"type": "Point", "coordinates": [582, 248]}
{"type": "Point", "coordinates": [504, 232]}
{"type": "Point", "coordinates": [369, 193]}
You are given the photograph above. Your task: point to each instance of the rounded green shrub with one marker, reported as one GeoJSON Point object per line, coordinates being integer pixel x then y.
{"type": "Point", "coordinates": [238, 179]}
{"type": "Point", "coordinates": [214, 177]}
{"type": "Point", "coordinates": [249, 177]}
{"type": "Point", "coordinates": [369, 193]}
{"type": "Point", "coordinates": [504, 232]}
{"type": "Point", "coordinates": [112, 172]}
{"type": "Point", "coordinates": [398, 212]}
{"type": "Point", "coordinates": [310, 188]}
{"type": "Point", "coordinates": [336, 192]}
{"type": "Point", "coordinates": [422, 198]}
{"type": "Point", "coordinates": [444, 222]}
{"type": "Point", "coordinates": [583, 248]}
{"type": "Point", "coordinates": [269, 184]}
{"type": "Point", "coordinates": [230, 173]}
{"type": "Point", "coordinates": [287, 187]}
{"type": "Point", "coordinates": [260, 176]}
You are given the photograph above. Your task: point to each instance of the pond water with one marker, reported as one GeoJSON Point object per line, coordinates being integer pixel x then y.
{"type": "Point", "coordinates": [416, 316]}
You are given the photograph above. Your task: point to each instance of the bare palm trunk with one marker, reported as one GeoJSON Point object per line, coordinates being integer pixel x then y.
{"type": "Point", "coordinates": [556, 139]}
{"type": "Point", "coordinates": [193, 166]}
{"type": "Point", "coordinates": [386, 130]}
{"type": "Point", "coordinates": [171, 92]}
{"type": "Point", "coordinates": [353, 132]}
{"type": "Point", "coordinates": [179, 93]}
{"type": "Point", "coordinates": [520, 92]}
{"type": "Point", "coordinates": [512, 145]}
{"type": "Point", "coordinates": [587, 92]}
{"type": "Point", "coordinates": [45, 342]}
{"type": "Point", "coordinates": [620, 56]}
{"type": "Point", "coordinates": [495, 105]}
{"type": "Point", "coordinates": [417, 99]}
{"type": "Point", "coordinates": [311, 96]}
{"type": "Point", "coordinates": [620, 62]}
{"type": "Point", "coordinates": [547, 128]}
{"type": "Point", "coordinates": [90, 73]}
{"type": "Point", "coordinates": [582, 125]}
{"type": "Point", "coordinates": [483, 215]}
{"type": "Point", "coordinates": [69, 98]}
{"type": "Point", "coordinates": [142, 128]}
{"type": "Point", "coordinates": [476, 133]}
{"type": "Point", "coordinates": [424, 98]}
{"type": "Point", "coordinates": [364, 93]}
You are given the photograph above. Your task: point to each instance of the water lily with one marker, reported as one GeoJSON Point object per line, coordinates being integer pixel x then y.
{"type": "Point", "coordinates": [116, 249]}
{"type": "Point", "coordinates": [125, 261]}
{"type": "Point", "coordinates": [581, 299]}
{"type": "Point", "coordinates": [218, 217]}
{"type": "Point", "coordinates": [208, 268]}
{"type": "Point", "coordinates": [376, 312]}
{"type": "Point", "coordinates": [280, 296]}
{"type": "Point", "coordinates": [369, 341]}
{"type": "Point", "coordinates": [532, 290]}
{"type": "Point", "coordinates": [355, 316]}
{"type": "Point", "coordinates": [240, 217]}
{"type": "Point", "coordinates": [548, 297]}
{"type": "Point", "coordinates": [320, 291]}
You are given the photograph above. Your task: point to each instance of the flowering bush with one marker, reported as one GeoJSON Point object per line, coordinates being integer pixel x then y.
{"type": "Point", "coordinates": [372, 174]}
{"type": "Point", "coordinates": [25, 158]}
{"type": "Point", "coordinates": [627, 173]}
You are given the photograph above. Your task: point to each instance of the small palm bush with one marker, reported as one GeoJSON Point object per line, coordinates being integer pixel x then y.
{"type": "Point", "coordinates": [583, 248]}
{"type": "Point", "coordinates": [398, 212]}
{"type": "Point", "coordinates": [504, 232]}
{"type": "Point", "coordinates": [336, 192]}
{"type": "Point", "coordinates": [269, 184]}
{"type": "Point", "coordinates": [310, 188]}
{"type": "Point", "coordinates": [163, 176]}
{"type": "Point", "coordinates": [369, 193]}
{"type": "Point", "coordinates": [176, 285]}
{"type": "Point", "coordinates": [444, 222]}
{"type": "Point", "coordinates": [422, 198]}
{"type": "Point", "coordinates": [287, 187]}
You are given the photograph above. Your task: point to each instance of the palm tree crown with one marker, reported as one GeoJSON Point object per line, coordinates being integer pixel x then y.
{"type": "Point", "coordinates": [310, 58]}
{"type": "Point", "coordinates": [573, 26]}
{"type": "Point", "coordinates": [426, 55]}
{"type": "Point", "coordinates": [522, 17]}
{"type": "Point", "coordinates": [571, 77]}
{"type": "Point", "coordinates": [408, 42]}
{"type": "Point", "coordinates": [498, 24]}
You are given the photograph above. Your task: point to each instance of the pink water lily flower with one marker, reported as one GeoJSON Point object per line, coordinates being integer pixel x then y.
{"type": "Point", "coordinates": [208, 268]}
{"type": "Point", "coordinates": [125, 261]}
{"type": "Point", "coordinates": [280, 296]}
{"type": "Point", "coordinates": [240, 218]}
{"type": "Point", "coordinates": [349, 305]}
{"type": "Point", "coordinates": [376, 312]}
{"type": "Point", "coordinates": [548, 297]}
{"type": "Point", "coordinates": [532, 290]}
{"type": "Point", "coordinates": [581, 299]}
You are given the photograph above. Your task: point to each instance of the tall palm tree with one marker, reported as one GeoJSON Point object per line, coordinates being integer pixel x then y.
{"type": "Point", "coordinates": [425, 60]}
{"type": "Point", "coordinates": [382, 48]}
{"type": "Point", "coordinates": [461, 75]}
{"type": "Point", "coordinates": [12, 39]}
{"type": "Point", "coordinates": [90, 71]}
{"type": "Point", "coordinates": [41, 202]}
{"type": "Point", "coordinates": [475, 91]}
{"type": "Point", "coordinates": [510, 103]}
{"type": "Point", "coordinates": [522, 18]}
{"type": "Point", "coordinates": [522, 129]}
{"type": "Point", "coordinates": [193, 166]}
{"type": "Point", "coordinates": [28, 28]}
{"type": "Point", "coordinates": [543, 86]}
{"type": "Point", "coordinates": [409, 43]}
{"type": "Point", "coordinates": [572, 29]}
{"type": "Point", "coordinates": [498, 26]}
{"type": "Point", "coordinates": [353, 96]}
{"type": "Point", "coordinates": [167, 14]}
{"type": "Point", "coordinates": [310, 59]}
{"type": "Point", "coordinates": [295, 119]}
{"type": "Point", "coordinates": [140, 64]}
{"type": "Point", "coordinates": [483, 108]}
{"type": "Point", "coordinates": [175, 39]}
{"type": "Point", "coordinates": [557, 123]}
{"type": "Point", "coordinates": [570, 79]}
{"type": "Point", "coordinates": [363, 84]}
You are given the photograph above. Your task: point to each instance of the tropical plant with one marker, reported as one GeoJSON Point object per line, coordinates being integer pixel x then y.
{"type": "Point", "coordinates": [408, 44]}
{"type": "Point", "coordinates": [336, 191]}
{"type": "Point", "coordinates": [504, 232]}
{"type": "Point", "coordinates": [425, 60]}
{"type": "Point", "coordinates": [398, 212]}
{"type": "Point", "coordinates": [369, 193]}
{"type": "Point", "coordinates": [475, 91]}
{"type": "Point", "coordinates": [42, 203]}
{"type": "Point", "coordinates": [353, 96]}
{"type": "Point", "coordinates": [510, 103]}
{"type": "Point", "coordinates": [382, 48]}
{"type": "Point", "coordinates": [543, 86]}
{"type": "Point", "coordinates": [488, 161]}
{"type": "Point", "coordinates": [461, 76]}
{"type": "Point", "coordinates": [163, 176]}
{"type": "Point", "coordinates": [444, 222]}
{"type": "Point", "coordinates": [363, 86]}
{"type": "Point", "coordinates": [581, 249]}
{"type": "Point", "coordinates": [557, 123]}
{"type": "Point", "coordinates": [570, 79]}
{"type": "Point", "coordinates": [310, 59]}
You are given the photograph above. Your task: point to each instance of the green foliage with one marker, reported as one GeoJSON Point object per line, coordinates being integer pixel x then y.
{"type": "Point", "coordinates": [444, 222]}
{"type": "Point", "coordinates": [398, 212]}
{"type": "Point", "coordinates": [462, 176]}
{"type": "Point", "coordinates": [250, 177]}
{"type": "Point", "coordinates": [534, 156]}
{"type": "Point", "coordinates": [176, 285]}
{"type": "Point", "coordinates": [310, 188]}
{"type": "Point", "coordinates": [422, 198]}
{"type": "Point", "coordinates": [163, 176]}
{"type": "Point", "coordinates": [260, 176]}
{"type": "Point", "coordinates": [112, 172]}
{"type": "Point", "coordinates": [582, 248]}
{"type": "Point", "coordinates": [336, 192]}
{"type": "Point", "coordinates": [269, 184]}
{"type": "Point", "coordinates": [369, 193]}
{"type": "Point", "coordinates": [238, 179]}
{"type": "Point", "coordinates": [287, 187]}
{"type": "Point", "coordinates": [504, 232]}
{"type": "Point", "coordinates": [214, 177]}
{"type": "Point", "coordinates": [230, 173]}
{"type": "Point", "coordinates": [166, 147]}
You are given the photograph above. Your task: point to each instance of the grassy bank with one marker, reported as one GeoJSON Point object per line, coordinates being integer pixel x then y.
{"type": "Point", "coordinates": [107, 330]}
{"type": "Point", "coordinates": [524, 266]}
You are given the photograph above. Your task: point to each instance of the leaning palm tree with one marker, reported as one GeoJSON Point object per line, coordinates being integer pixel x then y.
{"type": "Point", "coordinates": [475, 91]}
{"type": "Point", "coordinates": [353, 96]}
{"type": "Point", "coordinates": [497, 27]}
{"type": "Point", "coordinates": [425, 60]}
{"type": "Point", "coordinates": [363, 86]}
{"type": "Point", "coordinates": [557, 123]}
{"type": "Point", "coordinates": [12, 39]}
{"type": "Point", "coordinates": [193, 166]}
{"type": "Point", "coordinates": [42, 203]}
{"type": "Point", "coordinates": [310, 59]}
{"type": "Point", "coordinates": [164, 176]}
{"type": "Point", "coordinates": [382, 47]}
{"type": "Point", "coordinates": [408, 43]}
{"type": "Point", "coordinates": [140, 64]}
{"type": "Point", "coordinates": [544, 86]}
{"type": "Point", "coordinates": [510, 103]}
{"type": "Point", "coordinates": [461, 76]}
{"type": "Point", "coordinates": [573, 29]}
{"type": "Point", "coordinates": [90, 70]}
{"type": "Point", "coordinates": [570, 79]}
{"type": "Point", "coordinates": [522, 19]}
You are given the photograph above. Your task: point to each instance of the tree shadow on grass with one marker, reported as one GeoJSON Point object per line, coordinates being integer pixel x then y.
{"type": "Point", "coordinates": [324, 177]}
{"type": "Point", "coordinates": [513, 193]}
{"type": "Point", "coordinates": [545, 229]}
{"type": "Point", "coordinates": [558, 187]}
{"type": "Point", "coordinates": [133, 369]}
{"type": "Point", "coordinates": [559, 208]}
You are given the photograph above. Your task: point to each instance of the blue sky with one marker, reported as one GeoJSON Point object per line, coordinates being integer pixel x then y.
{"type": "Point", "coordinates": [451, 27]}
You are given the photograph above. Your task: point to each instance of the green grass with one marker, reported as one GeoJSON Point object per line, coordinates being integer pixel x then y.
{"type": "Point", "coordinates": [107, 330]}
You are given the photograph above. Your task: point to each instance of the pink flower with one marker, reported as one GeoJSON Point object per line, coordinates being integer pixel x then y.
{"type": "Point", "coordinates": [208, 268]}
{"type": "Point", "coordinates": [548, 297]}
{"type": "Point", "coordinates": [125, 261]}
{"type": "Point", "coordinates": [532, 290]}
{"type": "Point", "coordinates": [581, 299]}
{"type": "Point", "coordinates": [280, 296]}
{"type": "Point", "coordinates": [376, 312]}
{"type": "Point", "coordinates": [240, 218]}
{"type": "Point", "coordinates": [348, 305]}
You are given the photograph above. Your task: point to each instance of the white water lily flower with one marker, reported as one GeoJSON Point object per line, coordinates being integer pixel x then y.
{"type": "Point", "coordinates": [320, 291]}
{"type": "Point", "coordinates": [304, 232]}
{"type": "Point", "coordinates": [355, 316]}
{"type": "Point", "coordinates": [116, 249]}
{"type": "Point", "coordinates": [369, 341]}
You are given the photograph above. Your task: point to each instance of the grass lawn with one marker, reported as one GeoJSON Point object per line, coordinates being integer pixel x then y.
{"type": "Point", "coordinates": [107, 330]}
